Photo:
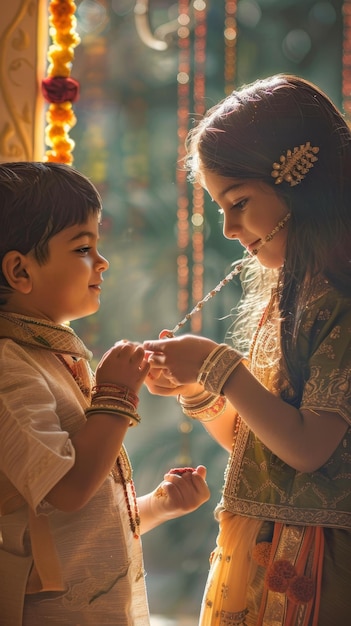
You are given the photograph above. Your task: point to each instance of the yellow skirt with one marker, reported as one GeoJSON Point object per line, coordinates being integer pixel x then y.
{"type": "Point", "coordinates": [265, 574]}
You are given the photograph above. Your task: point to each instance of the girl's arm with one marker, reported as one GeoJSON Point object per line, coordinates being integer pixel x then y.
{"type": "Point", "coordinates": [303, 439]}
{"type": "Point", "coordinates": [221, 428]}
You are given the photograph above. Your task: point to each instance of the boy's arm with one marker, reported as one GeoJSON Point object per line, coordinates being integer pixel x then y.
{"type": "Point", "coordinates": [177, 495]}
{"type": "Point", "coordinates": [97, 445]}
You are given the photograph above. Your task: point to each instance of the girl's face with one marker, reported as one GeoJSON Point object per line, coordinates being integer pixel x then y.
{"type": "Point", "coordinates": [251, 210]}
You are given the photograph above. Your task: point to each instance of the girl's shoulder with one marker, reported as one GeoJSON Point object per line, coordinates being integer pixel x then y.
{"type": "Point", "coordinates": [327, 313]}
{"type": "Point", "coordinates": [322, 293]}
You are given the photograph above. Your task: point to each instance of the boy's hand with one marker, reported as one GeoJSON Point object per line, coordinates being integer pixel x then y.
{"type": "Point", "coordinates": [124, 364]}
{"type": "Point", "coordinates": [180, 492]}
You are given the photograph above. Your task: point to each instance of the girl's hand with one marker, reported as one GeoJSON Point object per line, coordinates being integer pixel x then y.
{"type": "Point", "coordinates": [179, 358]}
{"type": "Point", "coordinates": [124, 364]}
{"type": "Point", "coordinates": [159, 384]}
{"type": "Point", "coordinates": [180, 493]}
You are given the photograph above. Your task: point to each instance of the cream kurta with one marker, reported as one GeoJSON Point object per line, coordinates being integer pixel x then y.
{"type": "Point", "coordinates": [101, 563]}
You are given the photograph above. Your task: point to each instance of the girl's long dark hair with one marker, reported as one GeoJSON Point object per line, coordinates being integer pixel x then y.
{"type": "Point", "coordinates": [243, 136]}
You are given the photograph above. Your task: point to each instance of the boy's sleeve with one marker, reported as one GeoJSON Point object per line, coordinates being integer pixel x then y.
{"type": "Point", "coordinates": [35, 453]}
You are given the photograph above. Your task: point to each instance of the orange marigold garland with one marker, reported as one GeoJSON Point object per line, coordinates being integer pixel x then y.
{"type": "Point", "coordinates": [59, 89]}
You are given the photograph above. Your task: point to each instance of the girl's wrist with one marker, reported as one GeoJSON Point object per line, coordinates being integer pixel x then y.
{"type": "Point", "coordinates": [218, 367]}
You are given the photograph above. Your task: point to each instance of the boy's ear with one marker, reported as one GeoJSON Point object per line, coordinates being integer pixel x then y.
{"type": "Point", "coordinates": [14, 268]}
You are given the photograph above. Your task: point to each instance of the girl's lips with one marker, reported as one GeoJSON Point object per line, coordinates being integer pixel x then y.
{"type": "Point", "coordinates": [252, 246]}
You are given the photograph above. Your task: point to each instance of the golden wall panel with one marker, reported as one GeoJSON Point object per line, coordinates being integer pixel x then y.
{"type": "Point", "coordinates": [23, 49]}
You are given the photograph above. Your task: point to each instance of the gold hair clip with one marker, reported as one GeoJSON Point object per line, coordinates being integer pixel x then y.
{"type": "Point", "coordinates": [294, 166]}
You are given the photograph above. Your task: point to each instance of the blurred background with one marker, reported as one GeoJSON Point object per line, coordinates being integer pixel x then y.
{"type": "Point", "coordinates": [147, 71]}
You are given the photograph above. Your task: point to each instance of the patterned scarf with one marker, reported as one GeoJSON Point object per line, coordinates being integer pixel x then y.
{"type": "Point", "coordinates": [37, 333]}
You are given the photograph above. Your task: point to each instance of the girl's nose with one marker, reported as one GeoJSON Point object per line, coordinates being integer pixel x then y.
{"type": "Point", "coordinates": [231, 230]}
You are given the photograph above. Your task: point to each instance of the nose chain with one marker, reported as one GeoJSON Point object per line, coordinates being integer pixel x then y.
{"type": "Point", "coordinates": [237, 269]}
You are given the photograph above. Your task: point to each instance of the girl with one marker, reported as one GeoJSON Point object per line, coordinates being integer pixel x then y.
{"type": "Point", "coordinates": [70, 522]}
{"type": "Point", "coordinates": [275, 156]}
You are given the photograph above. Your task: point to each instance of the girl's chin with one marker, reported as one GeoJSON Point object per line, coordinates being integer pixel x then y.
{"type": "Point", "coordinates": [270, 264]}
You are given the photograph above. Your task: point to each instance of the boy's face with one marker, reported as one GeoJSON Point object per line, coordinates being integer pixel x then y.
{"type": "Point", "coordinates": [68, 285]}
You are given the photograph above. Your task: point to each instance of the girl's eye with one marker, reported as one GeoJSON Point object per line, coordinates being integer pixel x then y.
{"type": "Point", "coordinates": [239, 206]}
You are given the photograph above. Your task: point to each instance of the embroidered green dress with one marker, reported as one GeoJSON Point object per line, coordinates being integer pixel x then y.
{"type": "Point", "coordinates": [283, 555]}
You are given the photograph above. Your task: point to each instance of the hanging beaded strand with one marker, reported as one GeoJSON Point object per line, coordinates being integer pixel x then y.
{"type": "Point", "coordinates": [230, 40]}
{"type": "Point", "coordinates": [133, 509]}
{"type": "Point", "coordinates": [183, 94]}
{"type": "Point", "coordinates": [200, 32]}
{"type": "Point", "coordinates": [346, 60]}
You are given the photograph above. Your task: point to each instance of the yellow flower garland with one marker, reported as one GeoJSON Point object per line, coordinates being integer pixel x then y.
{"type": "Point", "coordinates": [58, 88]}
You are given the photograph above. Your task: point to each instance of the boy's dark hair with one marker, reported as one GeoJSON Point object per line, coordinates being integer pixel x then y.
{"type": "Point", "coordinates": [37, 201]}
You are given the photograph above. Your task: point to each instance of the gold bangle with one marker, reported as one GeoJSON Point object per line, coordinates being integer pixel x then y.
{"type": "Point", "coordinates": [205, 411]}
{"type": "Point", "coordinates": [217, 368]}
{"type": "Point", "coordinates": [210, 362]}
{"type": "Point", "coordinates": [133, 417]}
{"type": "Point", "coordinates": [218, 376]}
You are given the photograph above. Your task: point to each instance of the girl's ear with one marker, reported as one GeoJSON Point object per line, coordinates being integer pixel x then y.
{"type": "Point", "coordinates": [15, 268]}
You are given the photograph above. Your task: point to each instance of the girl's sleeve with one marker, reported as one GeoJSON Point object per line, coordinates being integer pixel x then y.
{"type": "Point", "coordinates": [328, 387]}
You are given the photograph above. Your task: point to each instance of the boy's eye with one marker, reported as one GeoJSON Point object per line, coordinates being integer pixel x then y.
{"type": "Point", "coordinates": [83, 249]}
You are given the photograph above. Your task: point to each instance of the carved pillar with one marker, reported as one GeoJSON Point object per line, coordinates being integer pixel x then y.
{"type": "Point", "coordinates": [23, 49]}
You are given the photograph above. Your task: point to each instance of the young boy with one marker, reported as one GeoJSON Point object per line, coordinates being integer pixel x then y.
{"type": "Point", "coordinates": [70, 522]}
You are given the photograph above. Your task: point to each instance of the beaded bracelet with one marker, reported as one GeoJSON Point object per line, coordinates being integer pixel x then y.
{"type": "Point", "coordinates": [217, 368]}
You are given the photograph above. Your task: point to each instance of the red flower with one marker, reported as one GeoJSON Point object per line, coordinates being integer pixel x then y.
{"type": "Point", "coordinates": [301, 590]}
{"type": "Point", "coordinates": [279, 574]}
{"type": "Point", "coordinates": [283, 568]}
{"type": "Point", "coordinates": [58, 89]}
{"type": "Point", "coordinates": [274, 582]}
